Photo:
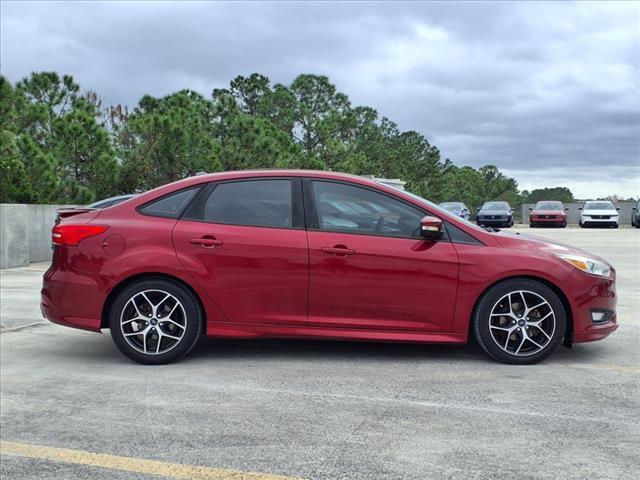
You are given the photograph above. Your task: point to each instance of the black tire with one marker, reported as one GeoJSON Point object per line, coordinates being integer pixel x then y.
{"type": "Point", "coordinates": [190, 315]}
{"type": "Point", "coordinates": [491, 297]}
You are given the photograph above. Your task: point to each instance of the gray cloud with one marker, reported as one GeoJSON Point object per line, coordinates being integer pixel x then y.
{"type": "Point", "coordinates": [550, 92]}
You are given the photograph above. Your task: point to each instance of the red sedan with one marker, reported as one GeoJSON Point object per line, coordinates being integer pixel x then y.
{"type": "Point", "coordinates": [548, 213]}
{"type": "Point", "coordinates": [294, 254]}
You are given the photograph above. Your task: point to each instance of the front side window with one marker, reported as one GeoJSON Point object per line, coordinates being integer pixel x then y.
{"type": "Point", "coordinates": [260, 203]}
{"type": "Point", "coordinates": [351, 209]}
{"type": "Point", "coordinates": [170, 206]}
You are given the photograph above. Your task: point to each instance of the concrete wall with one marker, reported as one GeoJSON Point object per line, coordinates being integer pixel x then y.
{"type": "Point", "coordinates": [573, 215]}
{"type": "Point", "coordinates": [25, 233]}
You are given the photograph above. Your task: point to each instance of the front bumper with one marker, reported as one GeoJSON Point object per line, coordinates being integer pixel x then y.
{"type": "Point", "coordinates": [494, 221]}
{"type": "Point", "coordinates": [590, 293]}
{"type": "Point", "coordinates": [586, 220]}
{"type": "Point", "coordinates": [545, 219]}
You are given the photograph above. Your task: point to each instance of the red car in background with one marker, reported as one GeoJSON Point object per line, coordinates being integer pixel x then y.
{"type": "Point", "coordinates": [287, 254]}
{"type": "Point", "coordinates": [548, 213]}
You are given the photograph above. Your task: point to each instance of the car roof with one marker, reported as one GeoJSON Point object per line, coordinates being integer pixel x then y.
{"type": "Point", "coordinates": [267, 173]}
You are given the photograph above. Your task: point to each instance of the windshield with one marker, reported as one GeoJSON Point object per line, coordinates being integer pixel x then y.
{"type": "Point", "coordinates": [495, 206]}
{"type": "Point", "coordinates": [549, 206]}
{"type": "Point", "coordinates": [599, 206]}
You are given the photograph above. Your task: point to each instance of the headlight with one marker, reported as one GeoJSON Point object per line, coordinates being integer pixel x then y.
{"type": "Point", "coordinates": [587, 265]}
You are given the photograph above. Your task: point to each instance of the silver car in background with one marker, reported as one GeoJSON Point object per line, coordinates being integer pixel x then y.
{"type": "Point", "coordinates": [457, 208]}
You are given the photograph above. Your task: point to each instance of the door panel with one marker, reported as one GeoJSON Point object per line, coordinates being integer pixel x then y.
{"type": "Point", "coordinates": [244, 243]}
{"type": "Point", "coordinates": [256, 274]}
{"type": "Point", "coordinates": [368, 266]}
{"type": "Point", "coordinates": [386, 283]}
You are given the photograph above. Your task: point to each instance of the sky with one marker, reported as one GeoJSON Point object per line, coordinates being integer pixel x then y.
{"type": "Point", "coordinates": [548, 92]}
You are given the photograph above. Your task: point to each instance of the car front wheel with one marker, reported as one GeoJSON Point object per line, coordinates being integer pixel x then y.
{"type": "Point", "coordinates": [519, 321]}
{"type": "Point", "coordinates": [155, 321]}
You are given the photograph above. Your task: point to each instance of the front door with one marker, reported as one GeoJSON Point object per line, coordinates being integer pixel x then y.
{"type": "Point", "coordinates": [369, 268]}
{"type": "Point", "coordinates": [244, 243]}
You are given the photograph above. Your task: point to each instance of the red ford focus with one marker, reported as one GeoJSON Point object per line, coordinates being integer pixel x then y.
{"type": "Point", "coordinates": [315, 255]}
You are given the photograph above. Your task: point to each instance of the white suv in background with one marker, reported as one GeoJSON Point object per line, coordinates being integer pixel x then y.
{"type": "Point", "coordinates": [600, 212]}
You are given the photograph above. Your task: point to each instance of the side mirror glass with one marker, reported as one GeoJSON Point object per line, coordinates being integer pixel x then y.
{"type": "Point", "coordinates": [530, 209]}
{"type": "Point", "coordinates": [566, 209]}
{"type": "Point", "coordinates": [618, 208]}
{"type": "Point", "coordinates": [430, 227]}
{"type": "Point", "coordinates": [580, 208]}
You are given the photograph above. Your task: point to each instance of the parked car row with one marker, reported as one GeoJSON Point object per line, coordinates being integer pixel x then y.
{"type": "Point", "coordinates": [545, 213]}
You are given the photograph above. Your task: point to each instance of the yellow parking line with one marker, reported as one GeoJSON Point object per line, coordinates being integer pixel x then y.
{"type": "Point", "coordinates": [130, 464]}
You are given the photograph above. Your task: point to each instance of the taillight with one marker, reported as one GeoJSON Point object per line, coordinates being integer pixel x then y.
{"type": "Point", "coordinates": [71, 235]}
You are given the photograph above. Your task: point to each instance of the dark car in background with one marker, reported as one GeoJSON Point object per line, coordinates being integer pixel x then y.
{"type": "Point", "coordinates": [495, 214]}
{"type": "Point", "coordinates": [548, 212]}
{"type": "Point", "coordinates": [457, 208]}
{"type": "Point", "coordinates": [635, 215]}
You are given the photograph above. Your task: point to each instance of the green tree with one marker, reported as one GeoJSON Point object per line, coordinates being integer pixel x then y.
{"type": "Point", "coordinates": [14, 183]}
{"type": "Point", "coordinates": [562, 194]}
{"type": "Point", "coordinates": [86, 158]}
{"type": "Point", "coordinates": [168, 139]}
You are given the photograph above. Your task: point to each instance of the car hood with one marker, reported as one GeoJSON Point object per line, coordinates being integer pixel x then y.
{"type": "Point", "coordinates": [600, 212]}
{"type": "Point", "coordinates": [547, 212]}
{"type": "Point", "coordinates": [533, 243]}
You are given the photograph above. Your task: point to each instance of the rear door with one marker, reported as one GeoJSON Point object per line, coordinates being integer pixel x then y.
{"type": "Point", "coordinates": [245, 244]}
{"type": "Point", "coordinates": [371, 269]}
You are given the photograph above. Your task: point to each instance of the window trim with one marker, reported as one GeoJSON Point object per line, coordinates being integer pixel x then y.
{"type": "Point", "coordinates": [314, 224]}
{"type": "Point", "coordinates": [297, 206]}
{"type": "Point", "coordinates": [140, 208]}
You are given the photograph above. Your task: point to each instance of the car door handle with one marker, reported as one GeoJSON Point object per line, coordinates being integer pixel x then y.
{"type": "Point", "coordinates": [206, 242]}
{"type": "Point", "coordinates": [338, 250]}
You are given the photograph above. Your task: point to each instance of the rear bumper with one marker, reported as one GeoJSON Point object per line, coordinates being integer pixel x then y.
{"type": "Point", "coordinates": [72, 299]}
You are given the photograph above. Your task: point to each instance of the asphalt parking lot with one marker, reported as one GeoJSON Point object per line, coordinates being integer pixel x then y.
{"type": "Point", "coordinates": [319, 410]}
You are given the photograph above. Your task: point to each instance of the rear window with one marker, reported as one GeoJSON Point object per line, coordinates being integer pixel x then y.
{"type": "Point", "coordinates": [259, 203]}
{"type": "Point", "coordinates": [170, 206]}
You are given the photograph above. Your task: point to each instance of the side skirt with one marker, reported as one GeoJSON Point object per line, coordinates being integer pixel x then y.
{"type": "Point", "coordinates": [250, 330]}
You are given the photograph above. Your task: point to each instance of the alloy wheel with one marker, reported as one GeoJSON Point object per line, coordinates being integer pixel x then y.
{"type": "Point", "coordinates": [522, 323]}
{"type": "Point", "coordinates": [153, 322]}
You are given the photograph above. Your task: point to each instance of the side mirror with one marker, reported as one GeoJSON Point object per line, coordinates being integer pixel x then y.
{"type": "Point", "coordinates": [530, 209]}
{"type": "Point", "coordinates": [512, 209]}
{"type": "Point", "coordinates": [634, 208]}
{"type": "Point", "coordinates": [477, 209]}
{"type": "Point", "coordinates": [430, 227]}
{"type": "Point", "coordinates": [618, 208]}
{"type": "Point", "coordinates": [580, 208]}
{"type": "Point", "coordinates": [566, 209]}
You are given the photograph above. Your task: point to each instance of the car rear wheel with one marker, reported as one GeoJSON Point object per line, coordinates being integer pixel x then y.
{"type": "Point", "coordinates": [519, 322]}
{"type": "Point", "coordinates": [155, 321]}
